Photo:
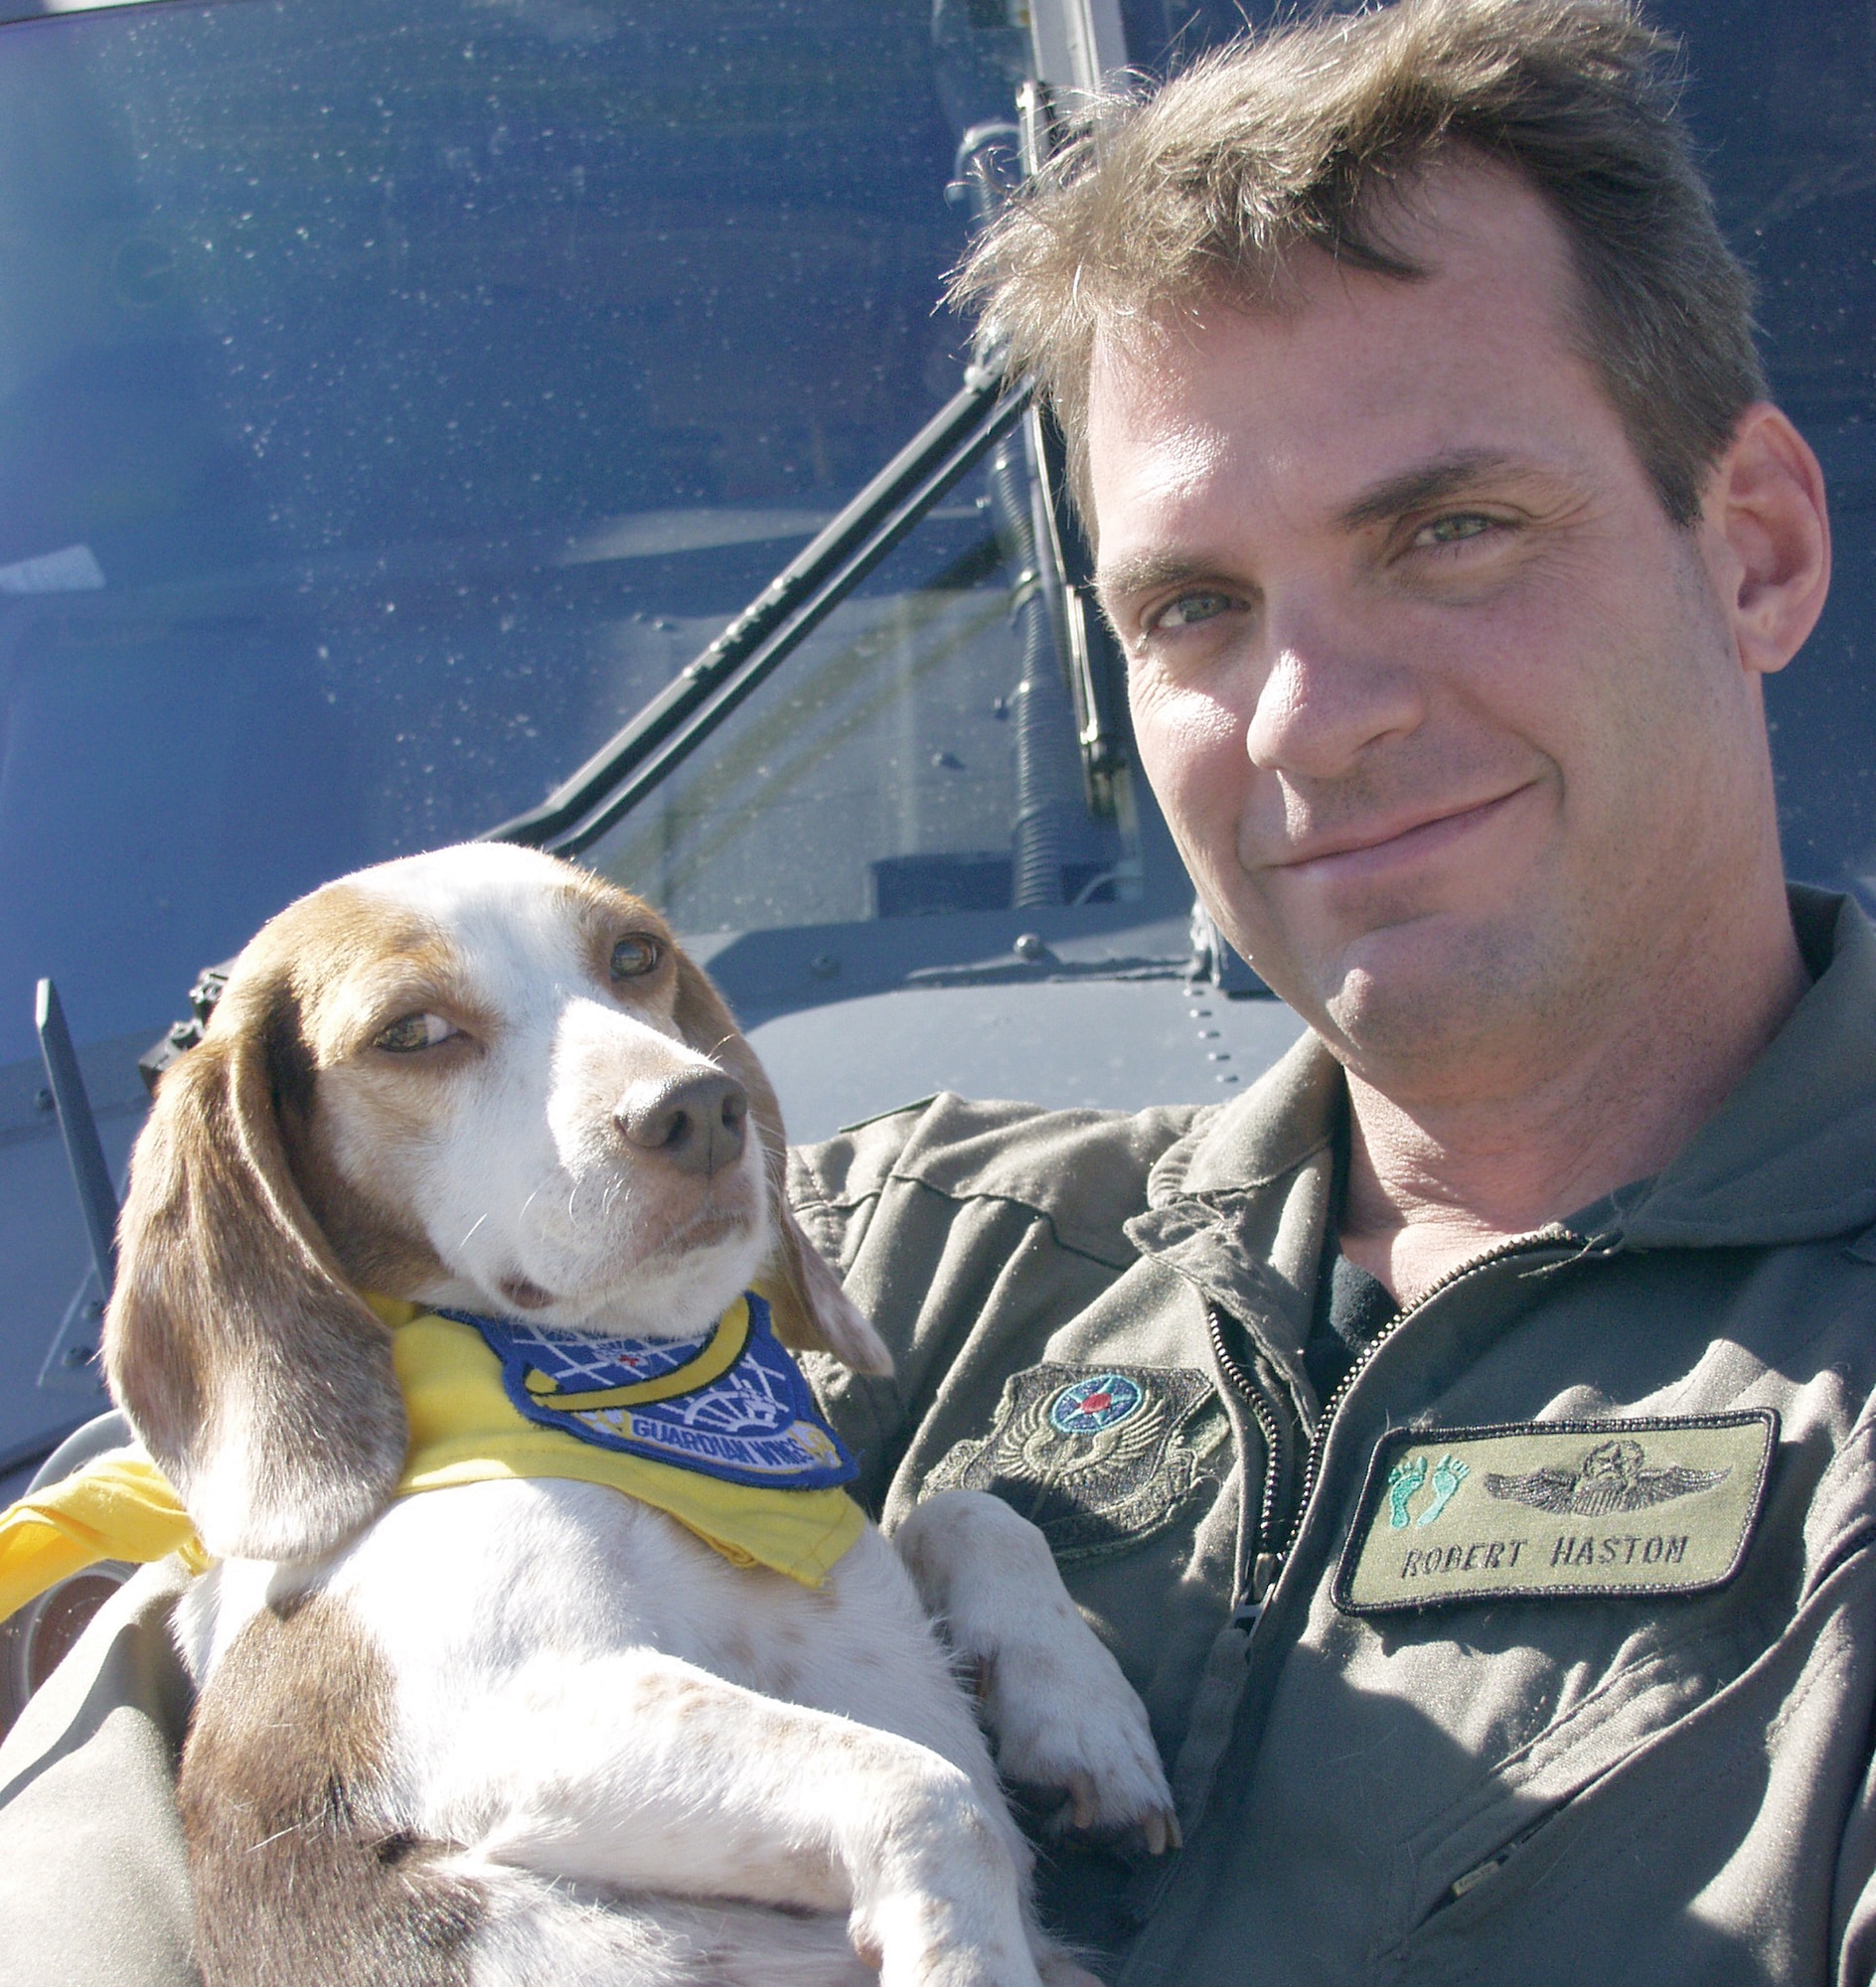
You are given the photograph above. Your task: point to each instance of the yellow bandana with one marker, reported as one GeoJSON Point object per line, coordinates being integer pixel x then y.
{"type": "Point", "coordinates": [463, 1430]}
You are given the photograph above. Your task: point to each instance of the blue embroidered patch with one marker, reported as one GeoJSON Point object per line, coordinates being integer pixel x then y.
{"type": "Point", "coordinates": [753, 1422]}
{"type": "Point", "coordinates": [1088, 1406]}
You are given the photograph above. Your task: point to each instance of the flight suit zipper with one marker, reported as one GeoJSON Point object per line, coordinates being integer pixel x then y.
{"type": "Point", "coordinates": [1263, 1556]}
{"type": "Point", "coordinates": [1257, 1567]}
{"type": "Point", "coordinates": [1266, 1557]}
{"type": "Point", "coordinates": [1555, 1236]}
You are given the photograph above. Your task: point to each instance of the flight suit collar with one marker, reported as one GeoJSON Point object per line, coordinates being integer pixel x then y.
{"type": "Point", "coordinates": [1790, 1155]}
{"type": "Point", "coordinates": [1241, 1205]}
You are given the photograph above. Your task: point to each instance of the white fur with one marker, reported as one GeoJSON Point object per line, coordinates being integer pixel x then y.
{"type": "Point", "coordinates": [637, 1746]}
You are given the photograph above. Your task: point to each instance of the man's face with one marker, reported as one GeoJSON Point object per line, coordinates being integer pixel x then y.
{"type": "Point", "coordinates": [1445, 713]}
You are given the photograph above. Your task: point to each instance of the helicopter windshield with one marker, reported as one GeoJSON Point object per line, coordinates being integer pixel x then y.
{"type": "Point", "coordinates": [394, 396]}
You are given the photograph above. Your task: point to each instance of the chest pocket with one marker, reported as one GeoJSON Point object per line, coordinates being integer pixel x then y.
{"type": "Point", "coordinates": [1098, 1457]}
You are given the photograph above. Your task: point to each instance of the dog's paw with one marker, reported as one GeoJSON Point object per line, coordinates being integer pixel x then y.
{"type": "Point", "coordinates": [1068, 1724]}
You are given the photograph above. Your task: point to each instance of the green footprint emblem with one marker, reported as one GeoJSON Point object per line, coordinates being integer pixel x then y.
{"type": "Point", "coordinates": [1402, 1481]}
{"type": "Point", "coordinates": [1448, 1476]}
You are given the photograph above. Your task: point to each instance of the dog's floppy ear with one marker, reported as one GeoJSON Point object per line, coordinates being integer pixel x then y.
{"type": "Point", "coordinates": [259, 1383]}
{"type": "Point", "coordinates": [811, 1310]}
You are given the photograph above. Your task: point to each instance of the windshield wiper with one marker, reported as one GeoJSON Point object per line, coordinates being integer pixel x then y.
{"type": "Point", "coordinates": [988, 408]}
{"type": "Point", "coordinates": [800, 598]}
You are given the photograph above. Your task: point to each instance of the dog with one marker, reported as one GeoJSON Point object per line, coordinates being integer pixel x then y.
{"type": "Point", "coordinates": [525, 1729]}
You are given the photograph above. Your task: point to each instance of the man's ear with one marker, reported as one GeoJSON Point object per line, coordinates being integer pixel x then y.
{"type": "Point", "coordinates": [1766, 532]}
{"type": "Point", "coordinates": [259, 1381]}
{"type": "Point", "coordinates": [811, 1310]}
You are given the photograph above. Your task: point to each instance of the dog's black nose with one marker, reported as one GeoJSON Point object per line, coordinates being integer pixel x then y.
{"type": "Point", "coordinates": [697, 1123]}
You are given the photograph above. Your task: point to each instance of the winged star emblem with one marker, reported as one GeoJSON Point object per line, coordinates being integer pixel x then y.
{"type": "Point", "coordinates": [1613, 1476]}
{"type": "Point", "coordinates": [1051, 1451]}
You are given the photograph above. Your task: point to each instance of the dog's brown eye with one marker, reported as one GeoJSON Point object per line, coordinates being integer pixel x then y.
{"type": "Point", "coordinates": [413, 1031]}
{"type": "Point", "coordinates": [634, 957]}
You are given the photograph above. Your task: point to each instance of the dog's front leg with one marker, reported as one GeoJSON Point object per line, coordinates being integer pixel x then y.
{"type": "Point", "coordinates": [638, 1771]}
{"type": "Point", "coordinates": [1063, 1717]}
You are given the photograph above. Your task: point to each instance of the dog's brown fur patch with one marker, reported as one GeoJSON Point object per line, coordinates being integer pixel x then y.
{"type": "Point", "coordinates": [259, 1380]}
{"type": "Point", "coordinates": [302, 1873]}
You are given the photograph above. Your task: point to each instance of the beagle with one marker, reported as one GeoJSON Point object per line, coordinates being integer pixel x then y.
{"type": "Point", "coordinates": [472, 1119]}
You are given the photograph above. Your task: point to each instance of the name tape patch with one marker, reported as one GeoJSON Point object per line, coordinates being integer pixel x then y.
{"type": "Point", "coordinates": [1540, 1509]}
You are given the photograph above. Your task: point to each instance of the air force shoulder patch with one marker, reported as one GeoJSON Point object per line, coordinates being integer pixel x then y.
{"type": "Point", "coordinates": [1097, 1457]}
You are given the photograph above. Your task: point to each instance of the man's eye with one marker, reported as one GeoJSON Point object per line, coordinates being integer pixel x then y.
{"type": "Point", "coordinates": [636, 956]}
{"type": "Point", "coordinates": [1454, 530]}
{"type": "Point", "coordinates": [412, 1033]}
{"type": "Point", "coordinates": [1189, 609]}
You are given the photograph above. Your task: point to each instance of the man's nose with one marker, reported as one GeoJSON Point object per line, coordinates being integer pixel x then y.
{"type": "Point", "coordinates": [695, 1123]}
{"type": "Point", "coordinates": [1332, 690]}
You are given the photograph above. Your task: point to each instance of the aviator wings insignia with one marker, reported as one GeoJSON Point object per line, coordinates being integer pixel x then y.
{"type": "Point", "coordinates": [1613, 1477]}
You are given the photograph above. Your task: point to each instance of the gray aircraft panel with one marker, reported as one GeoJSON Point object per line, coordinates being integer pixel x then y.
{"type": "Point", "coordinates": [44, 1256]}
{"type": "Point", "coordinates": [1120, 1044]}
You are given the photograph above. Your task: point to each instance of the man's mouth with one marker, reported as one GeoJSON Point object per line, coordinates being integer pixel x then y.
{"type": "Point", "coordinates": [1368, 850]}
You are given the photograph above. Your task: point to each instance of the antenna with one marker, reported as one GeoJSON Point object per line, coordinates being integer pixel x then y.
{"type": "Point", "coordinates": [1079, 45]}
{"type": "Point", "coordinates": [91, 1178]}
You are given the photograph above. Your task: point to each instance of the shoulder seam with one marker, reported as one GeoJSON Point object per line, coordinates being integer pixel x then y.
{"type": "Point", "coordinates": [1029, 1207]}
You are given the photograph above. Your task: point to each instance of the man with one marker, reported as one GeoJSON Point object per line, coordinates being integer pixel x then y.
{"type": "Point", "coordinates": [1462, 1437]}
{"type": "Point", "coordinates": [1523, 1627]}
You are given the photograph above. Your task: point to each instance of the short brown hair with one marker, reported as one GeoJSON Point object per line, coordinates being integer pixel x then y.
{"type": "Point", "coordinates": [1296, 137]}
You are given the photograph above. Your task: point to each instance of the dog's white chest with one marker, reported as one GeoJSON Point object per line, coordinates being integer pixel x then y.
{"type": "Point", "coordinates": [462, 1587]}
